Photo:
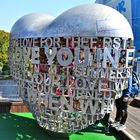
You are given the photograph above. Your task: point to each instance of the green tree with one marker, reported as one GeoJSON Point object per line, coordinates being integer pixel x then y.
{"type": "Point", "coordinates": [4, 44]}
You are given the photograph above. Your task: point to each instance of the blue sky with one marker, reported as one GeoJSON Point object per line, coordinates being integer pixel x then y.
{"type": "Point", "coordinates": [12, 10]}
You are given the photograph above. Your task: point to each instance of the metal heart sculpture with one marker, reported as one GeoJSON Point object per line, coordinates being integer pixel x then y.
{"type": "Point", "coordinates": [69, 69]}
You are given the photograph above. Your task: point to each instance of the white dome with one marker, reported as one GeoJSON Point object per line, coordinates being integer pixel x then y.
{"type": "Point", "coordinates": [90, 20]}
{"type": "Point", "coordinates": [30, 25]}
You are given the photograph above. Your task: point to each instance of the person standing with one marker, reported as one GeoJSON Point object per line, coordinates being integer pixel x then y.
{"type": "Point", "coordinates": [128, 95]}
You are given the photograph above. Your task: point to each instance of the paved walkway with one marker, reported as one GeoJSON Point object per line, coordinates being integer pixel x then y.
{"type": "Point", "coordinates": [133, 122]}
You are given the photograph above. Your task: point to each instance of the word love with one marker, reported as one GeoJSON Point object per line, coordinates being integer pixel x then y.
{"type": "Point", "coordinates": [110, 53]}
{"type": "Point", "coordinates": [92, 42]}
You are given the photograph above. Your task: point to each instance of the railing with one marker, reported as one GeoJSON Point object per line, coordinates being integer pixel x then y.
{"type": "Point", "coordinates": [8, 89]}
{"type": "Point", "coordinates": [138, 68]}
{"type": "Point", "coordinates": [5, 77]}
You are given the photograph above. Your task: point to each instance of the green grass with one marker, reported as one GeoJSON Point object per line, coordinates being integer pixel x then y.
{"type": "Point", "coordinates": [22, 126]}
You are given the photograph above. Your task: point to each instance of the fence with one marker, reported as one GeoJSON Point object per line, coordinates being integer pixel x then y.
{"type": "Point", "coordinates": [8, 89]}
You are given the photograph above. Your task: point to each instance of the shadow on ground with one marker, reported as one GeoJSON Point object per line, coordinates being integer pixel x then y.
{"type": "Point", "coordinates": [22, 126]}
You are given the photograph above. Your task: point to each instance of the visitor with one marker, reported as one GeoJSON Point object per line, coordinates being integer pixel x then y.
{"type": "Point", "coordinates": [106, 120]}
{"type": "Point", "coordinates": [122, 103]}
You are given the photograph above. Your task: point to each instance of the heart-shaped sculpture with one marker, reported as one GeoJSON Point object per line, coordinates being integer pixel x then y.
{"type": "Point", "coordinates": [70, 69]}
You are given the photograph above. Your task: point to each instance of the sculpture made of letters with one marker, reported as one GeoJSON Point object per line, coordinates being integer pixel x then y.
{"type": "Point", "coordinates": [69, 69]}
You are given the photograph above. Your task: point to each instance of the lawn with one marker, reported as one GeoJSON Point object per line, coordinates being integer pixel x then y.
{"type": "Point", "coordinates": [22, 126]}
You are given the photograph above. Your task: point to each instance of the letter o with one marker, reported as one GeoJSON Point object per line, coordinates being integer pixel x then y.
{"type": "Point", "coordinates": [69, 55]}
{"type": "Point", "coordinates": [80, 82]}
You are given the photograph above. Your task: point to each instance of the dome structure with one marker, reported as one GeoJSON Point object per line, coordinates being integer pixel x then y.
{"type": "Point", "coordinates": [90, 20]}
{"type": "Point", "coordinates": [30, 25]}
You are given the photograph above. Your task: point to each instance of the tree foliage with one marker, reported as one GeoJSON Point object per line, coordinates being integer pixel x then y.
{"type": "Point", "coordinates": [4, 44]}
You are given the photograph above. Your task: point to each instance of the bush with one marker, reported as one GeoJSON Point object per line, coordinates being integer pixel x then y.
{"type": "Point", "coordinates": [5, 69]}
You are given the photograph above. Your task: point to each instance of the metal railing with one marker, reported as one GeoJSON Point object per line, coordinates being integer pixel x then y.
{"type": "Point", "coordinates": [8, 90]}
